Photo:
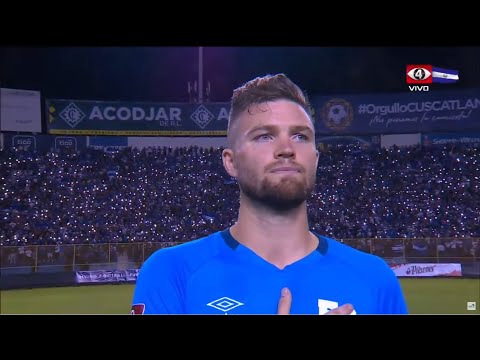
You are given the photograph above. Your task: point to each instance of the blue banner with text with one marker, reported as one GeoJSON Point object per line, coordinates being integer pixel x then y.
{"type": "Point", "coordinates": [398, 113]}
{"type": "Point", "coordinates": [80, 117]}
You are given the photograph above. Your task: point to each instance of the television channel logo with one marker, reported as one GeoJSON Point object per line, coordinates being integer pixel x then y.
{"type": "Point", "coordinates": [420, 76]}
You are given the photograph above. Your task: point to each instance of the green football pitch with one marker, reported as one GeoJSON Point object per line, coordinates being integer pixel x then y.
{"type": "Point", "coordinates": [424, 296]}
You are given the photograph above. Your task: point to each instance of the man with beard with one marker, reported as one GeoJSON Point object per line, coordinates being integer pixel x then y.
{"type": "Point", "coordinates": [269, 261]}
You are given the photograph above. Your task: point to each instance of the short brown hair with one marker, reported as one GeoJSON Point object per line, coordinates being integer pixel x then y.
{"type": "Point", "coordinates": [263, 89]}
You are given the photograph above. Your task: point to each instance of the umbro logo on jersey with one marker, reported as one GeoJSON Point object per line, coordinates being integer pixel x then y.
{"type": "Point", "coordinates": [225, 304]}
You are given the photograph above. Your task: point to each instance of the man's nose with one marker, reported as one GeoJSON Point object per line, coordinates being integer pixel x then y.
{"type": "Point", "coordinates": [284, 148]}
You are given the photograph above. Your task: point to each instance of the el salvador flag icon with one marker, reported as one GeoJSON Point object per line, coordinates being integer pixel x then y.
{"type": "Point", "coordinates": [445, 76]}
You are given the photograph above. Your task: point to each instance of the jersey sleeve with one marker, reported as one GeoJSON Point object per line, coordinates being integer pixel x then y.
{"type": "Point", "coordinates": [158, 289]}
{"type": "Point", "coordinates": [392, 299]}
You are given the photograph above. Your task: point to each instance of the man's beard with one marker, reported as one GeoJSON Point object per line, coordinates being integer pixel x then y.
{"type": "Point", "coordinates": [286, 194]}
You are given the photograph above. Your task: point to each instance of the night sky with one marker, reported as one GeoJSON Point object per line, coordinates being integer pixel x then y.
{"type": "Point", "coordinates": [161, 74]}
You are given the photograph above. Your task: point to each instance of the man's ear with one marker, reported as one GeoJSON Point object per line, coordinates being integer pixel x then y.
{"type": "Point", "coordinates": [228, 159]}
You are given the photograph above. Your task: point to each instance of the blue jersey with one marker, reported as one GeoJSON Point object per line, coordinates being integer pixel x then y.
{"type": "Point", "coordinates": [218, 275]}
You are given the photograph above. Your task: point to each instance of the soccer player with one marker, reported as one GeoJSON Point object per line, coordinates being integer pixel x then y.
{"type": "Point", "coordinates": [269, 261]}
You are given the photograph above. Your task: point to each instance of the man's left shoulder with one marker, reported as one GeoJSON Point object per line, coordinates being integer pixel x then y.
{"type": "Point", "coordinates": [345, 252]}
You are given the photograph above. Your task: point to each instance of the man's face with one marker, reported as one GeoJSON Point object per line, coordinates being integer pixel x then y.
{"type": "Point", "coordinates": [274, 157]}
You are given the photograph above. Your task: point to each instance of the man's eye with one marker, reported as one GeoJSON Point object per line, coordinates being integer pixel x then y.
{"type": "Point", "coordinates": [301, 136]}
{"type": "Point", "coordinates": [263, 137]}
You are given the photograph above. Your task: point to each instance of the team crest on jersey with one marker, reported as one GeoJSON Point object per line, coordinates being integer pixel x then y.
{"type": "Point", "coordinates": [137, 309]}
{"type": "Point", "coordinates": [325, 306]}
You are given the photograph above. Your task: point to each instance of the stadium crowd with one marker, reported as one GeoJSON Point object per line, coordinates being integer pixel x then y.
{"type": "Point", "coordinates": [175, 195]}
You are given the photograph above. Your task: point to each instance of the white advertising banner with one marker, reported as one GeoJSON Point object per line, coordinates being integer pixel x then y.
{"type": "Point", "coordinates": [427, 269]}
{"type": "Point", "coordinates": [105, 276]}
{"type": "Point", "coordinates": [20, 110]}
